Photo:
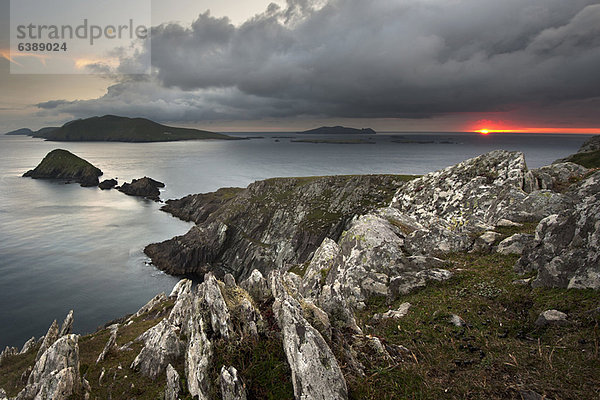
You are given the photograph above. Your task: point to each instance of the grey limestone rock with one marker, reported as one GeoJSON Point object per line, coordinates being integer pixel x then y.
{"type": "Point", "coordinates": [198, 358]}
{"type": "Point", "coordinates": [220, 318]}
{"type": "Point", "coordinates": [256, 285]}
{"type": "Point", "coordinates": [49, 339]}
{"type": "Point", "coordinates": [551, 317]}
{"type": "Point", "coordinates": [566, 249]}
{"type": "Point", "coordinates": [400, 312]}
{"type": "Point", "coordinates": [161, 347]}
{"type": "Point", "coordinates": [515, 244]}
{"type": "Point", "coordinates": [159, 298]}
{"type": "Point", "coordinates": [315, 371]}
{"type": "Point", "coordinates": [56, 373]}
{"type": "Point", "coordinates": [232, 387]}
{"type": "Point", "coordinates": [67, 325]}
{"type": "Point", "coordinates": [111, 344]}
{"type": "Point", "coordinates": [28, 345]}
{"type": "Point", "coordinates": [173, 386]}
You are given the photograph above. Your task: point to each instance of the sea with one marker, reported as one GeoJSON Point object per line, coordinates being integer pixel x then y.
{"type": "Point", "coordinates": [65, 247]}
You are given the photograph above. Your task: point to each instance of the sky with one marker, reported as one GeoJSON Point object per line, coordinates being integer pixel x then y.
{"type": "Point", "coordinates": [393, 65]}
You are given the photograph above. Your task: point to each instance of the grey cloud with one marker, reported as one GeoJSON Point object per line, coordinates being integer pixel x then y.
{"type": "Point", "coordinates": [381, 58]}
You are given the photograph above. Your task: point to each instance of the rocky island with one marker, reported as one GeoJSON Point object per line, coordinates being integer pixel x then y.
{"type": "Point", "coordinates": [339, 130]}
{"type": "Point", "coordinates": [143, 187]}
{"type": "Point", "coordinates": [477, 281]}
{"type": "Point", "coordinates": [112, 128]}
{"type": "Point", "coordinates": [64, 165]}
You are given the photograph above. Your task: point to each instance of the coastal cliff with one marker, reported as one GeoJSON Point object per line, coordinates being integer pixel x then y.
{"type": "Point", "coordinates": [477, 281]}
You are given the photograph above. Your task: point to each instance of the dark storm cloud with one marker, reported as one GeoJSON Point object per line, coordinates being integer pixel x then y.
{"type": "Point", "coordinates": [356, 58]}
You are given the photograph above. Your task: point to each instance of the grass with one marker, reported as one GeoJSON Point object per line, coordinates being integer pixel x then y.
{"type": "Point", "coordinates": [589, 159]}
{"type": "Point", "coordinates": [12, 369]}
{"type": "Point", "coordinates": [262, 364]}
{"type": "Point", "coordinates": [500, 352]}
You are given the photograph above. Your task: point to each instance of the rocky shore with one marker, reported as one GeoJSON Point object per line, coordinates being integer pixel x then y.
{"type": "Point", "coordinates": [477, 281]}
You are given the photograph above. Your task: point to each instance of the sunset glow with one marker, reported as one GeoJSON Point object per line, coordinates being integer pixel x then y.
{"type": "Point", "coordinates": [487, 126]}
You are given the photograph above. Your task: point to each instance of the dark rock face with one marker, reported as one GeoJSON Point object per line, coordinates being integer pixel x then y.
{"type": "Point", "coordinates": [144, 187]}
{"type": "Point", "coordinates": [63, 165]}
{"type": "Point", "coordinates": [107, 184]}
{"type": "Point", "coordinates": [566, 250]}
{"type": "Point", "coordinates": [270, 224]}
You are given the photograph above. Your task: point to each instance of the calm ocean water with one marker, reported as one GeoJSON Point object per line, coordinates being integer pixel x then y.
{"type": "Point", "coordinates": [65, 247]}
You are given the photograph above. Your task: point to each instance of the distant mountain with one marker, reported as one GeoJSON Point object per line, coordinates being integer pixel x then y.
{"type": "Point", "coordinates": [112, 128]}
{"type": "Point", "coordinates": [340, 130]}
{"type": "Point", "coordinates": [22, 131]}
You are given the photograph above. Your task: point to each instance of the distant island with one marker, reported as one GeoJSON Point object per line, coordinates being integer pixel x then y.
{"type": "Point", "coordinates": [339, 130]}
{"type": "Point", "coordinates": [332, 141]}
{"type": "Point", "coordinates": [112, 128]}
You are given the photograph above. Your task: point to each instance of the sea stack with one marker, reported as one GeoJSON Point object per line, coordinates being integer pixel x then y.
{"type": "Point", "coordinates": [64, 165]}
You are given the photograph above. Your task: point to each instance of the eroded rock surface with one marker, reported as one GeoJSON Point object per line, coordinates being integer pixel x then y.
{"type": "Point", "coordinates": [232, 388]}
{"type": "Point", "coordinates": [566, 250]}
{"type": "Point", "coordinates": [315, 371]}
{"type": "Point", "coordinates": [56, 373]}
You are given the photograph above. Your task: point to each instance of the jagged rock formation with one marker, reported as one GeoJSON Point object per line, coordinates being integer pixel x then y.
{"type": "Point", "coordinates": [63, 165]}
{"type": "Point", "coordinates": [270, 224]}
{"type": "Point", "coordinates": [315, 371]}
{"type": "Point", "coordinates": [49, 338]}
{"type": "Point", "coordinates": [143, 187]}
{"type": "Point", "coordinates": [173, 386]}
{"type": "Point", "coordinates": [56, 374]}
{"type": "Point", "coordinates": [566, 250]}
{"type": "Point", "coordinates": [232, 388]}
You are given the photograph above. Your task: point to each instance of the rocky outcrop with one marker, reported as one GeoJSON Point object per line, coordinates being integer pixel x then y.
{"type": "Point", "coordinates": [30, 344]}
{"type": "Point", "coordinates": [111, 344]}
{"type": "Point", "coordinates": [315, 371]}
{"type": "Point", "coordinates": [67, 325]}
{"type": "Point", "coordinates": [56, 373]}
{"type": "Point", "coordinates": [232, 388]}
{"type": "Point", "coordinates": [566, 250]}
{"type": "Point", "coordinates": [49, 338]}
{"type": "Point", "coordinates": [270, 224]}
{"type": "Point", "coordinates": [557, 176]}
{"type": "Point", "coordinates": [108, 184]}
{"type": "Point", "coordinates": [8, 352]}
{"type": "Point", "coordinates": [515, 244]}
{"type": "Point", "coordinates": [63, 165]}
{"type": "Point", "coordinates": [143, 187]}
{"type": "Point", "coordinates": [257, 287]}
{"type": "Point", "coordinates": [162, 346]}
{"type": "Point", "coordinates": [173, 386]}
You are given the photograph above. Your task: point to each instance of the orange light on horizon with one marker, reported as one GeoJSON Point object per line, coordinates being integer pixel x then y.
{"type": "Point", "coordinates": [484, 131]}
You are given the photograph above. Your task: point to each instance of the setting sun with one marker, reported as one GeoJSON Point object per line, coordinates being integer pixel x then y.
{"type": "Point", "coordinates": [484, 131]}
